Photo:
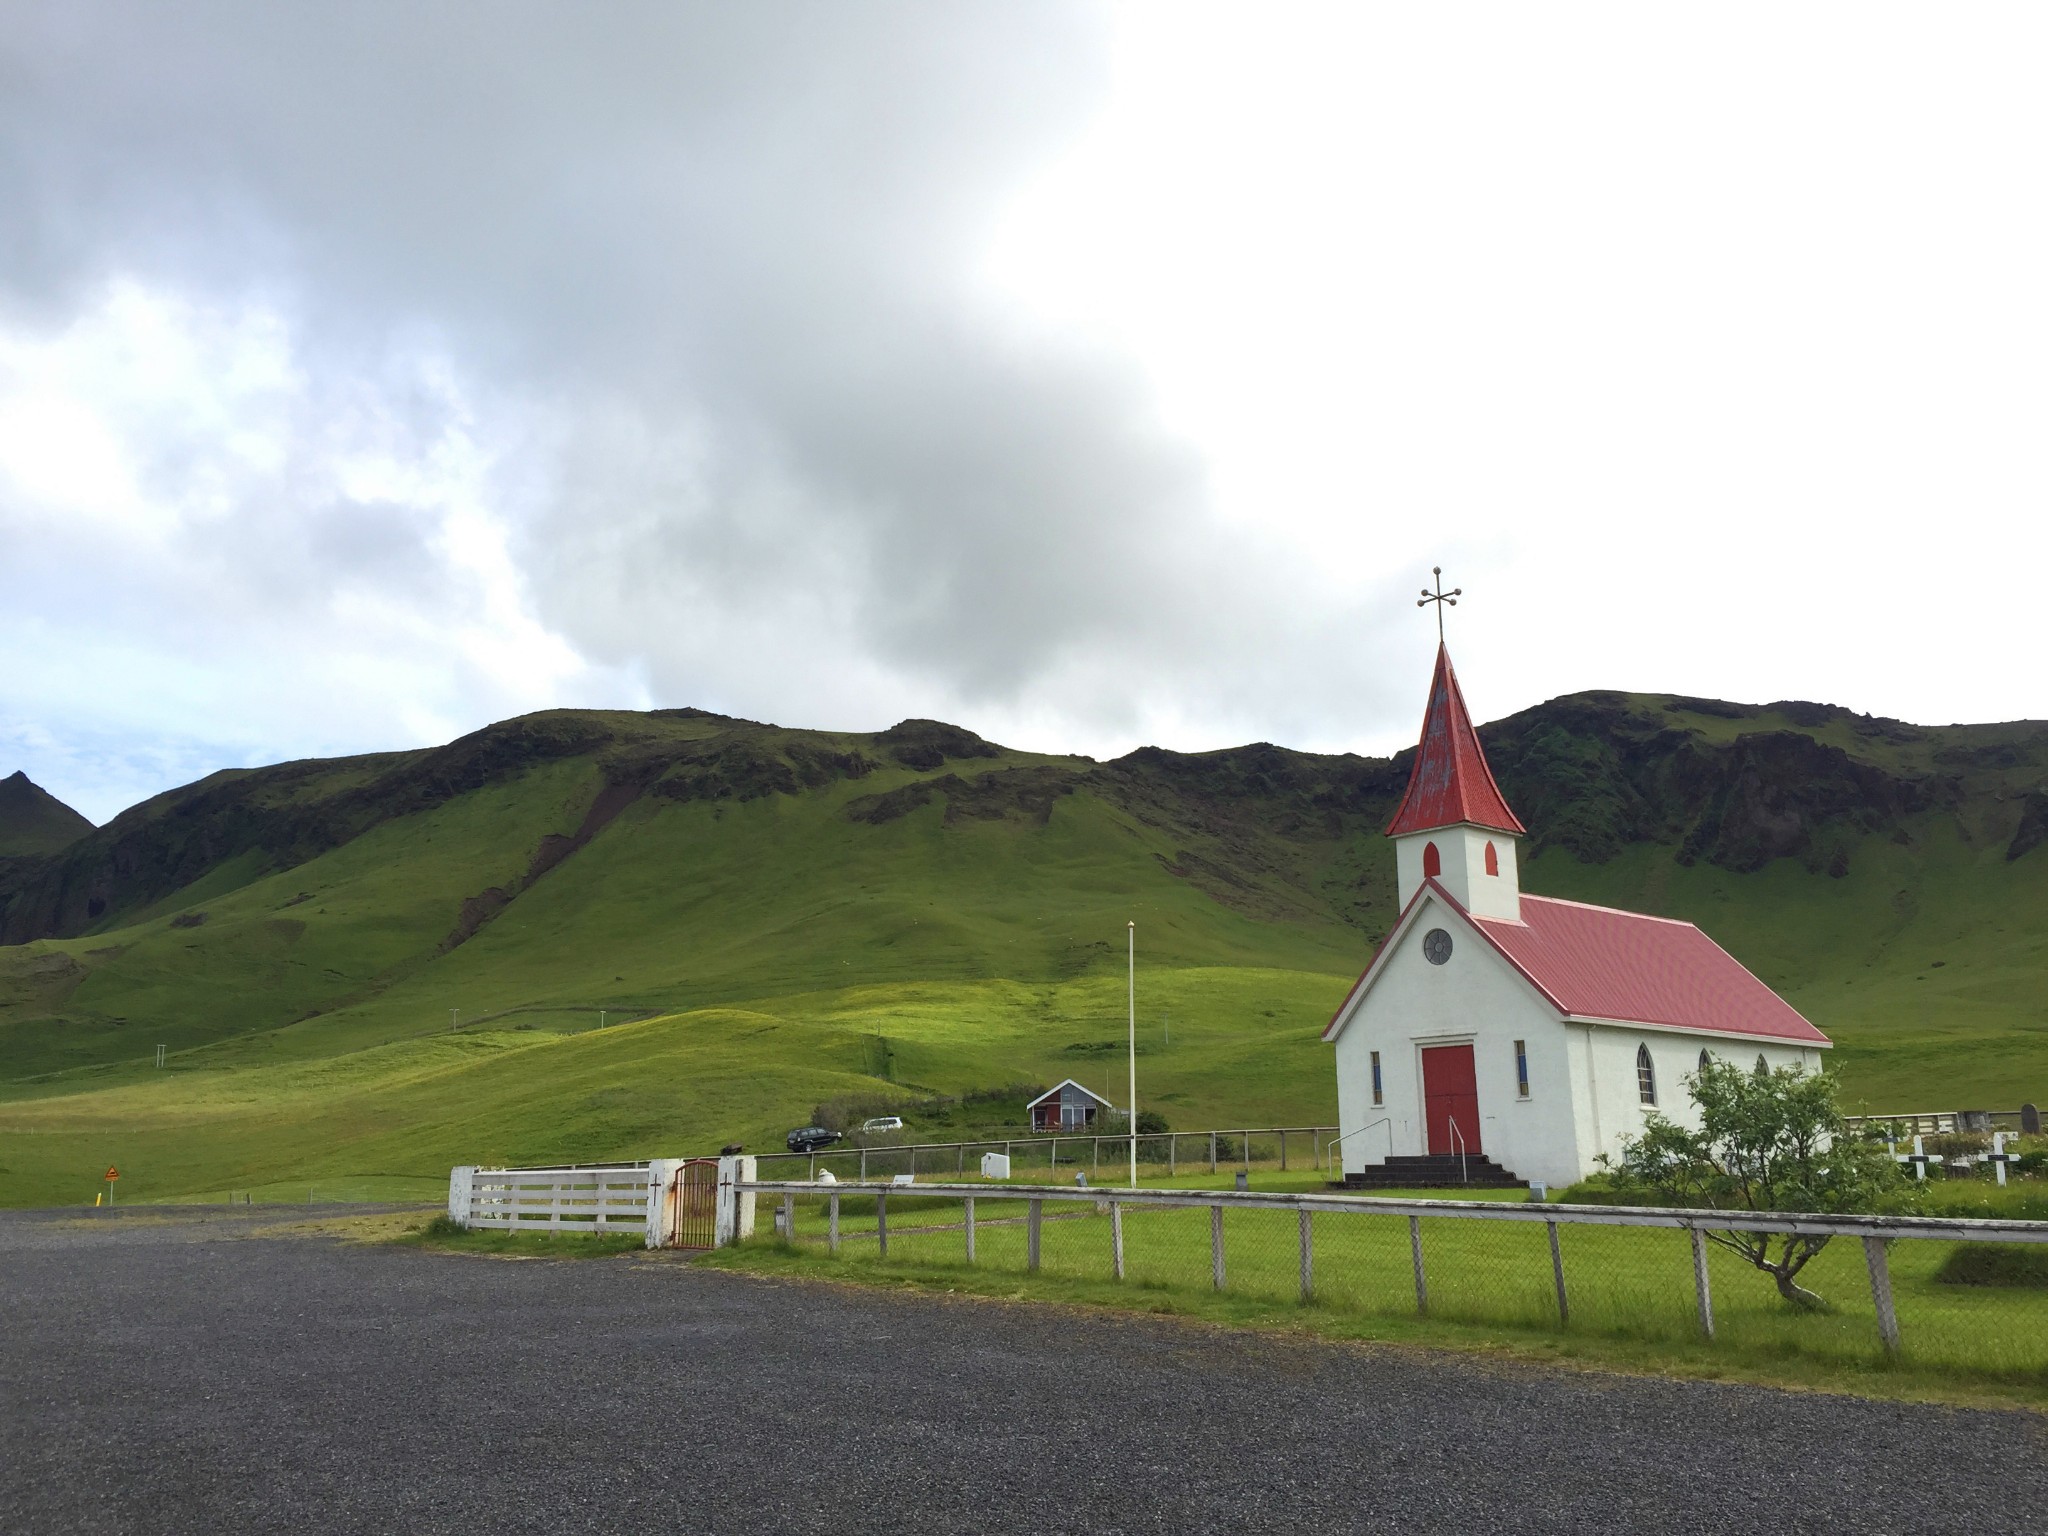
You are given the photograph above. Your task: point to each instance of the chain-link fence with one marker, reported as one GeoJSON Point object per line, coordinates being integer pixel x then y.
{"type": "Point", "coordinates": [1960, 1295]}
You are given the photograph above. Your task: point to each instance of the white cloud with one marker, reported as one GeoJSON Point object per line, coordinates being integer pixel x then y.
{"type": "Point", "coordinates": [1088, 376]}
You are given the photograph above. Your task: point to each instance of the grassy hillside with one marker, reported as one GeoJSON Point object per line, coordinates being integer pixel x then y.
{"type": "Point", "coordinates": [768, 918]}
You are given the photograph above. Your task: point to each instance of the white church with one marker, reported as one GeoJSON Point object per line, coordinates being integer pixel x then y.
{"type": "Point", "coordinates": [1500, 1038]}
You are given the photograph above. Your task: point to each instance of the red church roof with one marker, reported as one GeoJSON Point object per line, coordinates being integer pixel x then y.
{"type": "Point", "coordinates": [1450, 782]}
{"type": "Point", "coordinates": [1600, 963]}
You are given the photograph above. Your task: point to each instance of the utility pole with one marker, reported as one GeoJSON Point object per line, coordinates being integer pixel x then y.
{"type": "Point", "coordinates": [1133, 992]}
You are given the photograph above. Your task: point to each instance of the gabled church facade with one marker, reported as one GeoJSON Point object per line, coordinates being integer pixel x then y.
{"type": "Point", "coordinates": [1498, 1037]}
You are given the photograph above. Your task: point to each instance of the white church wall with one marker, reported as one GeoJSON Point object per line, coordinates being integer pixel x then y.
{"type": "Point", "coordinates": [1475, 997]}
{"type": "Point", "coordinates": [1617, 1109]}
{"type": "Point", "coordinates": [1462, 852]}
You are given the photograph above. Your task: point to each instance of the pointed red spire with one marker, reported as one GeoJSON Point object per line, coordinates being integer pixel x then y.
{"type": "Point", "coordinates": [1450, 782]}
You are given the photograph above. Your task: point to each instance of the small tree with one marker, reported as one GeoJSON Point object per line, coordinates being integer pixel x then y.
{"type": "Point", "coordinates": [1767, 1141]}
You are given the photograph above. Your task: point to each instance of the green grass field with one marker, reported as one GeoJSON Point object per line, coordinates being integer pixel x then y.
{"type": "Point", "coordinates": [1630, 1290]}
{"type": "Point", "coordinates": [771, 948]}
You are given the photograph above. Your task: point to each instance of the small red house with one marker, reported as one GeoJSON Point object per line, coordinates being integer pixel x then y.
{"type": "Point", "coordinates": [1069, 1107]}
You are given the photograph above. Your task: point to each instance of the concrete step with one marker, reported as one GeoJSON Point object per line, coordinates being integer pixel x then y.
{"type": "Point", "coordinates": [1433, 1172]}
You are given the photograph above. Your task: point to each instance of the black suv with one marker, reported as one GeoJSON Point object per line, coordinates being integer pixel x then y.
{"type": "Point", "coordinates": [812, 1138]}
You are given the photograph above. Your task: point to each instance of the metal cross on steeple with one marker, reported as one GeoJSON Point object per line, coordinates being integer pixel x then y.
{"type": "Point", "coordinates": [1440, 597]}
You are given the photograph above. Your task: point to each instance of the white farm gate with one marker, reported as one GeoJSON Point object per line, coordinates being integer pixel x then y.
{"type": "Point", "coordinates": [689, 1202]}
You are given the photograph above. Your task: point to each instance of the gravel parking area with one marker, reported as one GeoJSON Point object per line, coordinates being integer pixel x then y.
{"type": "Point", "coordinates": [161, 1372]}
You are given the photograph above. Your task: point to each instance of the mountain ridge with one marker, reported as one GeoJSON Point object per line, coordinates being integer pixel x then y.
{"type": "Point", "coordinates": [1591, 773]}
{"type": "Point", "coordinates": [33, 821]}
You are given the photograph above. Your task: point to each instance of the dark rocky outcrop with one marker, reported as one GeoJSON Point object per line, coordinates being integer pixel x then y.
{"type": "Point", "coordinates": [927, 744]}
{"type": "Point", "coordinates": [2033, 827]}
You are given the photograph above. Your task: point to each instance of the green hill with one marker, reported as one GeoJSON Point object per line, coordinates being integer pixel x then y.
{"type": "Point", "coordinates": [769, 917]}
{"type": "Point", "coordinates": [34, 821]}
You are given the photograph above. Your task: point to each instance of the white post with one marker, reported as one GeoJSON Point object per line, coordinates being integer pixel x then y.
{"type": "Point", "coordinates": [661, 1196]}
{"type": "Point", "coordinates": [1998, 1155]}
{"type": "Point", "coordinates": [735, 1206]}
{"type": "Point", "coordinates": [1133, 991]}
{"type": "Point", "coordinates": [1919, 1160]}
{"type": "Point", "coordinates": [459, 1180]}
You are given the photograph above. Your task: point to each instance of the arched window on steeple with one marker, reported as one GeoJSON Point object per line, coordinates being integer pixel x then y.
{"type": "Point", "coordinates": [1704, 1058]}
{"type": "Point", "coordinates": [1492, 860]}
{"type": "Point", "coordinates": [1646, 1075]}
{"type": "Point", "coordinates": [1432, 861]}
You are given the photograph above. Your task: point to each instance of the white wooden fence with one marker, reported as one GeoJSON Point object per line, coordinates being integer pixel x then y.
{"type": "Point", "coordinates": [604, 1197]}
{"type": "Point", "coordinates": [654, 1199]}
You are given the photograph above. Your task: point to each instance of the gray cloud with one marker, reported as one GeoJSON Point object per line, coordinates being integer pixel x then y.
{"type": "Point", "coordinates": [702, 281]}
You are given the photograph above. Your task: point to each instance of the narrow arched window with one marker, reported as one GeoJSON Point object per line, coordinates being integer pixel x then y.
{"type": "Point", "coordinates": [1432, 861]}
{"type": "Point", "coordinates": [1492, 860]}
{"type": "Point", "coordinates": [1763, 1068]}
{"type": "Point", "coordinates": [1703, 1061]}
{"type": "Point", "coordinates": [1646, 1075]}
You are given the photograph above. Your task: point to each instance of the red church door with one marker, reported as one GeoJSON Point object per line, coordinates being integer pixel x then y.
{"type": "Point", "coordinates": [1450, 1093]}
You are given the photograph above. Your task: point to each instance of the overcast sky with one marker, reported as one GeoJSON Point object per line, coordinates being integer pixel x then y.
{"type": "Point", "coordinates": [1090, 376]}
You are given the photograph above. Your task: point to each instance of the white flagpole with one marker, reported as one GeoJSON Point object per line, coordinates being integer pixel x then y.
{"type": "Point", "coordinates": [1134, 1052]}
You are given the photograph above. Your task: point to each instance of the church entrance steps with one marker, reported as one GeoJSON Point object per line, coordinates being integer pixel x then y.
{"type": "Point", "coordinates": [1434, 1172]}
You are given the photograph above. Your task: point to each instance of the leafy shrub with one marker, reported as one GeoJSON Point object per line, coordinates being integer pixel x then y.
{"type": "Point", "coordinates": [2001, 1264]}
{"type": "Point", "coordinates": [1957, 1144]}
{"type": "Point", "coordinates": [1767, 1141]}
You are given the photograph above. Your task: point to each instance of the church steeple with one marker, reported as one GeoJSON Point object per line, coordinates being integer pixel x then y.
{"type": "Point", "coordinates": [1450, 782]}
{"type": "Point", "coordinates": [1453, 824]}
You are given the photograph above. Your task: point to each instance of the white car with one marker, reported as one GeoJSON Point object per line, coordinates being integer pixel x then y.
{"type": "Point", "coordinates": [882, 1123]}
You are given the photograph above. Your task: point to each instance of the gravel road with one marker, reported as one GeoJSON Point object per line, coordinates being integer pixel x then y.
{"type": "Point", "coordinates": [183, 1374]}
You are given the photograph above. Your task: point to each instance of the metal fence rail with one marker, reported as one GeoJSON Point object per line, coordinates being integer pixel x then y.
{"type": "Point", "coordinates": [1176, 1248]}
{"type": "Point", "coordinates": [1054, 1150]}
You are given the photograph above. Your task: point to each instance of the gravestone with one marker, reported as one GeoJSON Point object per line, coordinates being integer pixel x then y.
{"type": "Point", "coordinates": [2030, 1120]}
{"type": "Point", "coordinates": [1973, 1121]}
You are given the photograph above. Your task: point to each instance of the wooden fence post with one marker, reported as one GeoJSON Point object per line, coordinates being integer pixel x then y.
{"type": "Point", "coordinates": [1700, 1284]}
{"type": "Point", "coordinates": [881, 1224]}
{"type": "Point", "coordinates": [1415, 1248]}
{"type": "Point", "coordinates": [863, 1165]}
{"type": "Point", "coordinates": [1116, 1235]}
{"type": "Point", "coordinates": [1283, 1151]}
{"type": "Point", "coordinates": [970, 1229]}
{"type": "Point", "coordinates": [1881, 1292]}
{"type": "Point", "coordinates": [1564, 1310]}
{"type": "Point", "coordinates": [1172, 1162]}
{"type": "Point", "coordinates": [789, 1218]}
{"type": "Point", "coordinates": [1308, 1258]}
{"type": "Point", "coordinates": [1034, 1215]}
{"type": "Point", "coordinates": [832, 1227]}
{"type": "Point", "coordinates": [1216, 1244]}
